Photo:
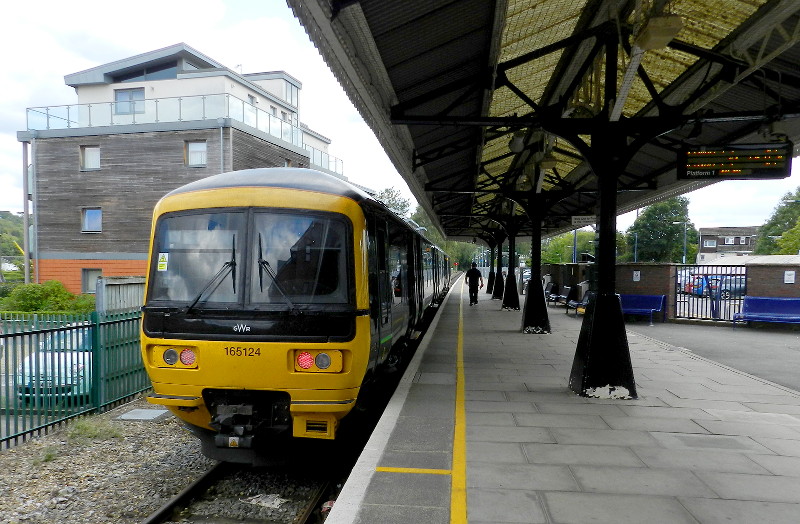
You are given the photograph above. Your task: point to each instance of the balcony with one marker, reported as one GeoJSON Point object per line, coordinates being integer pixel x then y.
{"type": "Point", "coordinates": [178, 109]}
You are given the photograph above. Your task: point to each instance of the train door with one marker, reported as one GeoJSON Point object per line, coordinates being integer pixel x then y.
{"type": "Point", "coordinates": [398, 268]}
{"type": "Point", "coordinates": [381, 290]}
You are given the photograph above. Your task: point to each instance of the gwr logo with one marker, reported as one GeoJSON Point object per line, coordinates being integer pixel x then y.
{"type": "Point", "coordinates": [241, 328]}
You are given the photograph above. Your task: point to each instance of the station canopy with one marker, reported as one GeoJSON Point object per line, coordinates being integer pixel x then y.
{"type": "Point", "coordinates": [481, 104]}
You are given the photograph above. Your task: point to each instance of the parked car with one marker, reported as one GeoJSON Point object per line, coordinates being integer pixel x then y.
{"type": "Point", "coordinates": [731, 286]}
{"type": "Point", "coordinates": [59, 370]}
{"type": "Point", "coordinates": [683, 277]}
{"type": "Point", "coordinates": [526, 276]}
{"type": "Point", "coordinates": [702, 285]}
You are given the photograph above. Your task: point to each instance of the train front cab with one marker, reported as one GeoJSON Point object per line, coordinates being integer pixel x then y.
{"type": "Point", "coordinates": [217, 391]}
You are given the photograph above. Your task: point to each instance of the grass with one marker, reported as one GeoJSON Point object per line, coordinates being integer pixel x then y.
{"type": "Point", "coordinates": [92, 428]}
{"type": "Point", "coordinates": [49, 454]}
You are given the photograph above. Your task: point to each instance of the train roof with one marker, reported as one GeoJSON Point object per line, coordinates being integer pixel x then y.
{"type": "Point", "coordinates": [279, 177]}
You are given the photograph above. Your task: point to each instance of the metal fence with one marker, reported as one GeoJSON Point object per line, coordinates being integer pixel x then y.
{"type": "Point", "coordinates": [709, 292]}
{"type": "Point", "coordinates": [56, 367]}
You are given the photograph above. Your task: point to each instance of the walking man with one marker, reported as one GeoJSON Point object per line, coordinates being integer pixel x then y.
{"type": "Point", "coordinates": [474, 277]}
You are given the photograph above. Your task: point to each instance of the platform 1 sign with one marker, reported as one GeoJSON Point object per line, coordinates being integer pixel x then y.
{"type": "Point", "coordinates": [736, 162]}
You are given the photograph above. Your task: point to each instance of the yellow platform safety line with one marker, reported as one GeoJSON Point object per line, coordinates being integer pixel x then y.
{"type": "Point", "coordinates": [458, 480]}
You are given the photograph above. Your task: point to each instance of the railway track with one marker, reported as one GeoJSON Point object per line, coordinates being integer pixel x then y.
{"type": "Point", "coordinates": [233, 493]}
{"type": "Point", "coordinates": [307, 474]}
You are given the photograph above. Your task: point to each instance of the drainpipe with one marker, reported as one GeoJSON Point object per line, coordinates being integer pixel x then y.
{"type": "Point", "coordinates": [26, 245]}
{"type": "Point", "coordinates": [221, 122]}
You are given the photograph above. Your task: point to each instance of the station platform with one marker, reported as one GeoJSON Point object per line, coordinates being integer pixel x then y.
{"type": "Point", "coordinates": [483, 429]}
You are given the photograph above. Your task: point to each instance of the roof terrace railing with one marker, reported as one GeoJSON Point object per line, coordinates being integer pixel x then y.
{"type": "Point", "coordinates": [176, 109]}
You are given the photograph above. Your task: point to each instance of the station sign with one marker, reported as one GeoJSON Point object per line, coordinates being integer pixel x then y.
{"type": "Point", "coordinates": [736, 162]}
{"type": "Point", "coordinates": [584, 220]}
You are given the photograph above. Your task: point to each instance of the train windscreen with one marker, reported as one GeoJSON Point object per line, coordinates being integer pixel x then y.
{"type": "Point", "coordinates": [260, 259]}
{"type": "Point", "coordinates": [298, 259]}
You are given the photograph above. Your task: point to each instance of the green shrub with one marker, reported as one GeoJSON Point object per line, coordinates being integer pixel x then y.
{"type": "Point", "coordinates": [49, 296]}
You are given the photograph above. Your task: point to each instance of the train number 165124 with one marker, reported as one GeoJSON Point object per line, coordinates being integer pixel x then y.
{"type": "Point", "coordinates": [236, 351]}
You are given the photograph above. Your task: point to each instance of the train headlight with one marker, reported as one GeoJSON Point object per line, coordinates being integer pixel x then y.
{"type": "Point", "coordinates": [323, 361]}
{"type": "Point", "coordinates": [170, 356]}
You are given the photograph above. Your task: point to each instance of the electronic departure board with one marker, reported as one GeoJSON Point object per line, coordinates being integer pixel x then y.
{"type": "Point", "coordinates": [736, 162]}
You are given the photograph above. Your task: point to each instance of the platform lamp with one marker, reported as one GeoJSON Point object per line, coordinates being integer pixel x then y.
{"type": "Point", "coordinates": [685, 223]}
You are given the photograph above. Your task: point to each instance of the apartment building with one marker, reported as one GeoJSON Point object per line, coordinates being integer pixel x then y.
{"type": "Point", "coordinates": [720, 242]}
{"type": "Point", "coordinates": [143, 126]}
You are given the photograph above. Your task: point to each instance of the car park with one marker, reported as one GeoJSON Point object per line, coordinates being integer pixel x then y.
{"type": "Point", "coordinates": [59, 370]}
{"type": "Point", "coordinates": [730, 286]}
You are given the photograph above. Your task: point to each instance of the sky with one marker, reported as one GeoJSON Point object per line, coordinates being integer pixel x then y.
{"type": "Point", "coordinates": [56, 38]}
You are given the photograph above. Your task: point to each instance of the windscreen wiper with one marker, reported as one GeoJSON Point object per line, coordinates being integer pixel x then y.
{"type": "Point", "coordinates": [263, 266]}
{"type": "Point", "coordinates": [227, 267]}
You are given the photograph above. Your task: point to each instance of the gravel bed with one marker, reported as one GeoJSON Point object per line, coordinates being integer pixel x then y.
{"type": "Point", "coordinates": [99, 469]}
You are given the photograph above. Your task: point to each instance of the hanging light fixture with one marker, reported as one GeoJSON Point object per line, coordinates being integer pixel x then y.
{"type": "Point", "coordinates": [517, 142]}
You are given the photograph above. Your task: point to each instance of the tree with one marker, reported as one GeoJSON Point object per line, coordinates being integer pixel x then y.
{"type": "Point", "coordinates": [782, 220]}
{"type": "Point", "coordinates": [10, 232]}
{"type": "Point", "coordinates": [789, 241]}
{"type": "Point", "coordinates": [558, 249]}
{"type": "Point", "coordinates": [394, 200]}
{"type": "Point", "coordinates": [655, 237]}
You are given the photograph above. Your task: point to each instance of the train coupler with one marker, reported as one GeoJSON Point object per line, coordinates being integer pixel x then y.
{"type": "Point", "coordinates": [233, 441]}
{"type": "Point", "coordinates": [234, 425]}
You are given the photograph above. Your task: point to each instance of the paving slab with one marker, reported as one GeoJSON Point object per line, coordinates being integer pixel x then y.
{"type": "Point", "coordinates": [704, 443]}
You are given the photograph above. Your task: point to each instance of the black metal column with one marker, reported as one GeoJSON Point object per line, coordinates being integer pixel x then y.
{"type": "Point", "coordinates": [499, 282]}
{"type": "Point", "coordinates": [602, 365]}
{"type": "Point", "coordinates": [490, 278]}
{"type": "Point", "coordinates": [534, 314]}
{"type": "Point", "coordinates": [511, 295]}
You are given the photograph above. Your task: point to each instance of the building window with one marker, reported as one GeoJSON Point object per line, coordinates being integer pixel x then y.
{"type": "Point", "coordinates": [743, 240]}
{"type": "Point", "coordinates": [194, 153]}
{"type": "Point", "coordinates": [90, 158]}
{"type": "Point", "coordinates": [273, 110]}
{"type": "Point", "coordinates": [729, 241]}
{"type": "Point", "coordinates": [89, 279]}
{"type": "Point", "coordinates": [252, 100]}
{"type": "Point", "coordinates": [292, 94]}
{"type": "Point", "coordinates": [128, 101]}
{"type": "Point", "coordinates": [709, 243]}
{"type": "Point", "coordinates": [91, 220]}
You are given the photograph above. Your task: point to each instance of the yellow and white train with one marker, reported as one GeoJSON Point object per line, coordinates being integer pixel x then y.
{"type": "Point", "coordinates": [273, 296]}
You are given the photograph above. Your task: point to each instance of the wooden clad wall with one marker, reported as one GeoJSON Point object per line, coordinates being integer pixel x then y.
{"type": "Point", "coordinates": [136, 170]}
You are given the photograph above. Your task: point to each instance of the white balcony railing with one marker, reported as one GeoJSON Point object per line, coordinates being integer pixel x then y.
{"type": "Point", "coordinates": [177, 109]}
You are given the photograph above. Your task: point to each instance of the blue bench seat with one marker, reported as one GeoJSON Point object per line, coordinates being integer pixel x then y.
{"type": "Point", "coordinates": [769, 309]}
{"type": "Point", "coordinates": [643, 305]}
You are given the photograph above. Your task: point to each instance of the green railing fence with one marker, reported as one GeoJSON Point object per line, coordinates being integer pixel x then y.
{"type": "Point", "coordinates": [54, 367]}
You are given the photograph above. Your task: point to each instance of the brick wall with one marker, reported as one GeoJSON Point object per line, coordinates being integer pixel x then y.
{"type": "Point", "coordinates": [654, 279]}
{"type": "Point", "coordinates": [69, 272]}
{"type": "Point", "coordinates": [767, 281]}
